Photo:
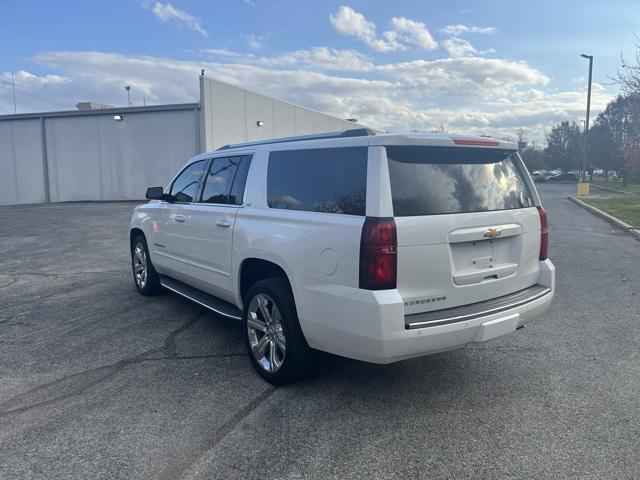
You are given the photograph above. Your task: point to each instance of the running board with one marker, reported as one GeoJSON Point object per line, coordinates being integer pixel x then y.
{"type": "Point", "coordinates": [210, 302]}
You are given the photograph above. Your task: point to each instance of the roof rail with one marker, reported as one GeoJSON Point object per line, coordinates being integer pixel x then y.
{"type": "Point", "coordinates": [356, 132]}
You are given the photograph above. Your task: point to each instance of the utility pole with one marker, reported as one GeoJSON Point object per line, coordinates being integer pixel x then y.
{"type": "Point", "coordinates": [13, 85]}
{"type": "Point", "coordinates": [586, 124]}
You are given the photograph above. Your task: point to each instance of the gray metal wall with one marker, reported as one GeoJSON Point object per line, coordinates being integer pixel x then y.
{"type": "Point", "coordinates": [21, 166]}
{"type": "Point", "coordinates": [90, 156]}
{"type": "Point", "coordinates": [230, 114]}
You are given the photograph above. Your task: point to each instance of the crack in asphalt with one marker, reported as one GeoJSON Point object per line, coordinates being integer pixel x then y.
{"type": "Point", "coordinates": [112, 369]}
{"type": "Point", "coordinates": [204, 460]}
{"type": "Point", "coordinates": [195, 357]}
{"type": "Point", "coordinates": [80, 382]}
{"type": "Point", "coordinates": [81, 322]}
{"type": "Point", "coordinates": [86, 380]}
{"type": "Point", "coordinates": [57, 274]}
{"type": "Point", "coordinates": [12, 281]}
{"type": "Point", "coordinates": [52, 295]}
{"type": "Point", "coordinates": [170, 341]}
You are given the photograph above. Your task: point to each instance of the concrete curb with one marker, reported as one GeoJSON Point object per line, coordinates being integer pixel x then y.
{"type": "Point", "coordinates": [612, 190]}
{"type": "Point", "coordinates": [605, 216]}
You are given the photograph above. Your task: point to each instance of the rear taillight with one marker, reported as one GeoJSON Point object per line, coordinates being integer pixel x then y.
{"type": "Point", "coordinates": [544, 234]}
{"type": "Point", "coordinates": [378, 254]}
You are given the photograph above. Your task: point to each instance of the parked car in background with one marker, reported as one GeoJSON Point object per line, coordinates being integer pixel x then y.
{"type": "Point", "coordinates": [540, 175]}
{"type": "Point", "coordinates": [373, 247]}
{"type": "Point", "coordinates": [563, 177]}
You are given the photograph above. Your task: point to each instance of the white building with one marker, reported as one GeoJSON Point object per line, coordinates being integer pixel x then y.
{"type": "Point", "coordinates": [115, 153]}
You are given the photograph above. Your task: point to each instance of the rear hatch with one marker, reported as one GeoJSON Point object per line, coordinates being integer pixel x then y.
{"type": "Point", "coordinates": [467, 225]}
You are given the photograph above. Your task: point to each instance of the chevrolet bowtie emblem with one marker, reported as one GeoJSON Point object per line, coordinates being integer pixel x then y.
{"type": "Point", "coordinates": [493, 233]}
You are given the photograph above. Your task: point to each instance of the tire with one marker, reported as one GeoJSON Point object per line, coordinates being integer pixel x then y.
{"type": "Point", "coordinates": [145, 276]}
{"type": "Point", "coordinates": [265, 339]}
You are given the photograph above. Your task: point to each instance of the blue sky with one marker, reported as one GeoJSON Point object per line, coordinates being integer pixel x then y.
{"type": "Point", "coordinates": [480, 67]}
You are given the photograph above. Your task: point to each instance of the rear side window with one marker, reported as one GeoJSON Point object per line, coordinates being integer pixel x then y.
{"type": "Point", "coordinates": [439, 180]}
{"type": "Point", "coordinates": [239, 181]}
{"type": "Point", "coordinates": [225, 180]}
{"type": "Point", "coordinates": [330, 180]}
{"type": "Point", "coordinates": [185, 186]}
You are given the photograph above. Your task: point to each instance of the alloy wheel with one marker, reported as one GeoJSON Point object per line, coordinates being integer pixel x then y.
{"type": "Point", "coordinates": [140, 265]}
{"type": "Point", "coordinates": [266, 335]}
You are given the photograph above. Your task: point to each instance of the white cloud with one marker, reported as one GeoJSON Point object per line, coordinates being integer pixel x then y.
{"type": "Point", "coordinates": [413, 32]}
{"type": "Point", "coordinates": [24, 79]}
{"type": "Point", "coordinates": [388, 43]}
{"type": "Point", "coordinates": [254, 41]}
{"type": "Point", "coordinates": [320, 58]}
{"type": "Point", "coordinates": [33, 92]}
{"type": "Point", "coordinates": [475, 78]}
{"type": "Point", "coordinates": [223, 52]}
{"type": "Point", "coordinates": [351, 23]}
{"type": "Point", "coordinates": [167, 13]}
{"type": "Point", "coordinates": [456, 30]}
{"type": "Point", "coordinates": [169, 80]}
{"type": "Point", "coordinates": [458, 47]}
{"type": "Point", "coordinates": [403, 32]}
{"type": "Point", "coordinates": [466, 94]}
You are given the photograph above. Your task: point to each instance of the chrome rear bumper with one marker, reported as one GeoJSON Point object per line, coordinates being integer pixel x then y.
{"type": "Point", "coordinates": [475, 310]}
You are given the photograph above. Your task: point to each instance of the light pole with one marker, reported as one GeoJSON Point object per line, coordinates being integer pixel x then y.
{"type": "Point", "coordinates": [586, 124]}
{"type": "Point", "coordinates": [13, 85]}
{"type": "Point", "coordinates": [128, 89]}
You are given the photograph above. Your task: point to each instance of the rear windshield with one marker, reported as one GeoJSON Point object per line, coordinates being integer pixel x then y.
{"type": "Point", "coordinates": [439, 180]}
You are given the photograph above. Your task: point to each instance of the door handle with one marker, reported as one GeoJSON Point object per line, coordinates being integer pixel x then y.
{"type": "Point", "coordinates": [223, 223]}
{"type": "Point", "coordinates": [180, 218]}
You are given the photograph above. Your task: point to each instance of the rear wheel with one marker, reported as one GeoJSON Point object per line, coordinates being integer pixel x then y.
{"type": "Point", "coordinates": [144, 274]}
{"type": "Point", "coordinates": [275, 343]}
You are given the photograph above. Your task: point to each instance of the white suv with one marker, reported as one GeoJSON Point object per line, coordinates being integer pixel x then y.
{"type": "Point", "coordinates": [373, 247]}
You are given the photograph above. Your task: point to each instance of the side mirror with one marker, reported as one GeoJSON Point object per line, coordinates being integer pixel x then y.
{"type": "Point", "coordinates": [155, 193]}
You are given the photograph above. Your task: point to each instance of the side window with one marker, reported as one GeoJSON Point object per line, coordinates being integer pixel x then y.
{"type": "Point", "coordinates": [185, 186]}
{"type": "Point", "coordinates": [219, 179]}
{"type": "Point", "coordinates": [239, 182]}
{"type": "Point", "coordinates": [330, 180]}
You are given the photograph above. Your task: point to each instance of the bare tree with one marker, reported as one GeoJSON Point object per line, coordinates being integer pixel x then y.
{"type": "Point", "coordinates": [629, 104]}
{"type": "Point", "coordinates": [442, 128]}
{"type": "Point", "coordinates": [522, 134]}
{"type": "Point", "coordinates": [629, 76]}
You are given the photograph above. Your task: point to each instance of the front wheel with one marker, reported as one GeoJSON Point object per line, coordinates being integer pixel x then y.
{"type": "Point", "coordinates": [275, 343]}
{"type": "Point", "coordinates": [144, 274]}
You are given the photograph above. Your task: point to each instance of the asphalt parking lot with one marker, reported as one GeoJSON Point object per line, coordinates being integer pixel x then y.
{"type": "Point", "coordinates": [97, 381]}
